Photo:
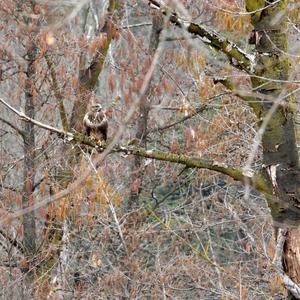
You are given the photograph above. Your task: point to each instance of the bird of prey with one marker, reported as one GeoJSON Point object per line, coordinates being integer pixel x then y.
{"type": "Point", "coordinates": [95, 123]}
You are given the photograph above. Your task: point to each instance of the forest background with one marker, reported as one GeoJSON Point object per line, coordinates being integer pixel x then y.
{"type": "Point", "coordinates": [195, 195]}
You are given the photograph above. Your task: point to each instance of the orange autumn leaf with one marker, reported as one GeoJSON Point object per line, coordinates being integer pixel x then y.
{"type": "Point", "coordinates": [248, 247]}
{"type": "Point", "coordinates": [135, 185]}
{"type": "Point", "coordinates": [111, 81]}
{"type": "Point", "coordinates": [174, 146]}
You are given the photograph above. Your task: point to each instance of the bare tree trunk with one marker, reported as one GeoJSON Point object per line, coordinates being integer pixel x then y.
{"type": "Point", "coordinates": [88, 77]}
{"type": "Point", "coordinates": [142, 123]}
{"type": "Point", "coordinates": [29, 224]}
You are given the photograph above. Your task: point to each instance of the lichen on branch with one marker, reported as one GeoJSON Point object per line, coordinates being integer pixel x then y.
{"type": "Point", "coordinates": [237, 57]}
{"type": "Point", "coordinates": [257, 180]}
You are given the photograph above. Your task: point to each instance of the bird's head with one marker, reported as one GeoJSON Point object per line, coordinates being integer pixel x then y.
{"type": "Point", "coordinates": [96, 107]}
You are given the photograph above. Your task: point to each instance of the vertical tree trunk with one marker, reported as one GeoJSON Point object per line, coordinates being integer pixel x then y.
{"type": "Point", "coordinates": [142, 122]}
{"type": "Point", "coordinates": [88, 77]}
{"type": "Point", "coordinates": [29, 225]}
{"type": "Point", "coordinates": [280, 154]}
{"type": "Point", "coordinates": [279, 139]}
{"type": "Point", "coordinates": [291, 257]}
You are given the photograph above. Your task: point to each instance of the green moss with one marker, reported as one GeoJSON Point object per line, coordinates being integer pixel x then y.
{"type": "Point", "coordinates": [262, 183]}
{"type": "Point", "coordinates": [275, 67]}
{"type": "Point", "coordinates": [264, 19]}
{"type": "Point", "coordinates": [253, 6]}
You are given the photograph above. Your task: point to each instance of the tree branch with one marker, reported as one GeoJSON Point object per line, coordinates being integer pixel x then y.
{"type": "Point", "coordinates": [237, 57]}
{"type": "Point", "coordinates": [12, 241]}
{"type": "Point", "coordinates": [18, 130]}
{"type": "Point", "coordinates": [89, 76]}
{"type": "Point", "coordinates": [196, 112]}
{"type": "Point", "coordinates": [255, 180]}
{"type": "Point", "coordinates": [37, 123]}
{"type": "Point", "coordinates": [250, 99]}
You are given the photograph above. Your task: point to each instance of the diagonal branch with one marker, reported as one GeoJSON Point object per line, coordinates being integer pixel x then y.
{"type": "Point", "coordinates": [89, 76]}
{"type": "Point", "coordinates": [12, 241]}
{"type": "Point", "coordinates": [237, 57]}
{"type": "Point", "coordinates": [37, 123]}
{"type": "Point", "coordinates": [194, 112]}
{"type": "Point", "coordinates": [256, 180]}
{"type": "Point", "coordinates": [18, 130]}
{"type": "Point", "coordinates": [249, 98]}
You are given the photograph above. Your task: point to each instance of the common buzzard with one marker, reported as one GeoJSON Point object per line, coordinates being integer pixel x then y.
{"type": "Point", "coordinates": [95, 123]}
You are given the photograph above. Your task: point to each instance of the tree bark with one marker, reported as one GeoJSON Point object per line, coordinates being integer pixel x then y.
{"type": "Point", "coordinates": [29, 225]}
{"type": "Point", "coordinates": [280, 156]}
{"type": "Point", "coordinates": [142, 122]}
{"type": "Point", "coordinates": [291, 257]}
{"type": "Point", "coordinates": [88, 77]}
{"type": "Point", "coordinates": [279, 139]}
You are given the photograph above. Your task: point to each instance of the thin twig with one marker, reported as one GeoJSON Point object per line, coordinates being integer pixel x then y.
{"type": "Point", "coordinates": [12, 241]}
{"type": "Point", "coordinates": [18, 130]}
{"type": "Point", "coordinates": [193, 114]}
{"type": "Point", "coordinates": [237, 57]}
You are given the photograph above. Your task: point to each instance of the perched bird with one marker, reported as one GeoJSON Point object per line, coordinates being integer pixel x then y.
{"type": "Point", "coordinates": [95, 123]}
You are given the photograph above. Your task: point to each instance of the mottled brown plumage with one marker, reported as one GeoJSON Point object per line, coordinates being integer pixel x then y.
{"type": "Point", "coordinates": [95, 123]}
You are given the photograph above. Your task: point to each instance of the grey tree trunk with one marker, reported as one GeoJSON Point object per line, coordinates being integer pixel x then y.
{"type": "Point", "coordinates": [29, 224]}
{"type": "Point", "coordinates": [142, 122]}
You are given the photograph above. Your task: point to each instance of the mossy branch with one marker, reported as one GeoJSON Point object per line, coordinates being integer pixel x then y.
{"type": "Point", "coordinates": [237, 57]}
{"type": "Point", "coordinates": [256, 180]}
{"type": "Point", "coordinates": [252, 101]}
{"type": "Point", "coordinates": [238, 174]}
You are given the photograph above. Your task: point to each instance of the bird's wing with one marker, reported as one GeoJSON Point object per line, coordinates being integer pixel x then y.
{"type": "Point", "coordinates": [86, 120]}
